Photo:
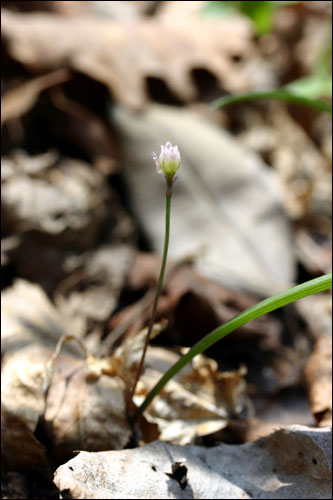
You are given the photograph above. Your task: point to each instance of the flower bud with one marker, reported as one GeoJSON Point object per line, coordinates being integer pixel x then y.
{"type": "Point", "coordinates": [168, 162]}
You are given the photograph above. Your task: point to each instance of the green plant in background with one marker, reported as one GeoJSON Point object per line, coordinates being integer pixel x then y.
{"type": "Point", "coordinates": [319, 84]}
{"type": "Point", "coordinates": [286, 93]}
{"type": "Point", "coordinates": [261, 13]}
{"type": "Point", "coordinates": [271, 304]}
{"type": "Point", "coordinates": [306, 91]}
{"type": "Point", "coordinates": [167, 163]}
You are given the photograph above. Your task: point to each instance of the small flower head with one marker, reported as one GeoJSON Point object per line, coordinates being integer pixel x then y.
{"type": "Point", "coordinates": [168, 162]}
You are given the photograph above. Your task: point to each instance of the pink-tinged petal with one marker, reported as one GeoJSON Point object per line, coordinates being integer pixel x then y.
{"type": "Point", "coordinates": [168, 161]}
{"type": "Point", "coordinates": [157, 165]}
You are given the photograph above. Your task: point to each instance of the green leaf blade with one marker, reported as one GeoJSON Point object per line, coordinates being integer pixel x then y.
{"type": "Point", "coordinates": [265, 306]}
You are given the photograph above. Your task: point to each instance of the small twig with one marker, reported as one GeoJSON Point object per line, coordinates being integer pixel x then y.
{"type": "Point", "coordinates": [49, 369]}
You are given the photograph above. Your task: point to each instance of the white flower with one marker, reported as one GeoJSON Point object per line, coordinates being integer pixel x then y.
{"type": "Point", "coordinates": [168, 161]}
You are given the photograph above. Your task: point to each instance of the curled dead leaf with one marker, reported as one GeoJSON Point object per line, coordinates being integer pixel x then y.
{"type": "Point", "coordinates": [199, 401]}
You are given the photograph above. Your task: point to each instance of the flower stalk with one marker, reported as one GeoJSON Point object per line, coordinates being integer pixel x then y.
{"type": "Point", "coordinates": [167, 163]}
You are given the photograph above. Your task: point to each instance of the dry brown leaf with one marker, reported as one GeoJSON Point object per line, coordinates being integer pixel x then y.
{"type": "Point", "coordinates": [52, 207]}
{"type": "Point", "coordinates": [29, 330]}
{"type": "Point", "coordinates": [315, 257]}
{"type": "Point", "coordinates": [80, 405]}
{"type": "Point", "coordinates": [17, 101]}
{"type": "Point", "coordinates": [122, 56]}
{"type": "Point", "coordinates": [84, 412]}
{"type": "Point", "coordinates": [198, 401]}
{"type": "Point", "coordinates": [293, 462]}
{"type": "Point", "coordinates": [127, 357]}
{"type": "Point", "coordinates": [194, 304]}
{"type": "Point", "coordinates": [59, 6]}
{"type": "Point", "coordinates": [317, 311]}
{"type": "Point", "coordinates": [69, 195]}
{"type": "Point", "coordinates": [100, 275]}
{"type": "Point", "coordinates": [84, 128]}
{"type": "Point", "coordinates": [15, 486]}
{"type": "Point", "coordinates": [318, 380]}
{"type": "Point", "coordinates": [305, 175]}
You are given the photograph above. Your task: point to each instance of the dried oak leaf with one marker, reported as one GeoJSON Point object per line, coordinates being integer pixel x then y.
{"type": "Point", "coordinates": [122, 56]}
{"type": "Point", "coordinates": [318, 380]}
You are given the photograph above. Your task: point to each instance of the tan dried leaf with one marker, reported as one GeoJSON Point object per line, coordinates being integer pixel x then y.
{"type": "Point", "coordinates": [199, 400]}
{"type": "Point", "coordinates": [29, 329]}
{"type": "Point", "coordinates": [295, 461]}
{"type": "Point", "coordinates": [18, 101]}
{"type": "Point", "coordinates": [127, 357]}
{"type": "Point", "coordinates": [80, 404]}
{"type": "Point", "coordinates": [122, 56]}
{"type": "Point", "coordinates": [318, 380]}
{"type": "Point", "coordinates": [84, 412]}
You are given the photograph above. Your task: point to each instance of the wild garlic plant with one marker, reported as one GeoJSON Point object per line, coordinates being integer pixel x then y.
{"type": "Point", "coordinates": [168, 163]}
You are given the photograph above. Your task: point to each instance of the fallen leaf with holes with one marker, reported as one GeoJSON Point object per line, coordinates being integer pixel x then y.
{"type": "Point", "coordinates": [318, 380]}
{"type": "Point", "coordinates": [122, 56]}
{"type": "Point", "coordinates": [293, 462]}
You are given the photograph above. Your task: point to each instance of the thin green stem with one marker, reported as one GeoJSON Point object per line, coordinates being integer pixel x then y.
{"type": "Point", "coordinates": [159, 286]}
{"type": "Point", "coordinates": [298, 292]}
{"type": "Point", "coordinates": [280, 94]}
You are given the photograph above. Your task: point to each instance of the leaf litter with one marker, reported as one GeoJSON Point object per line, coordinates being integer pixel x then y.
{"type": "Point", "coordinates": [68, 210]}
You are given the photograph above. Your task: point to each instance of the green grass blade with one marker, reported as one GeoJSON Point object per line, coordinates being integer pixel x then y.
{"type": "Point", "coordinates": [265, 306]}
{"type": "Point", "coordinates": [280, 94]}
